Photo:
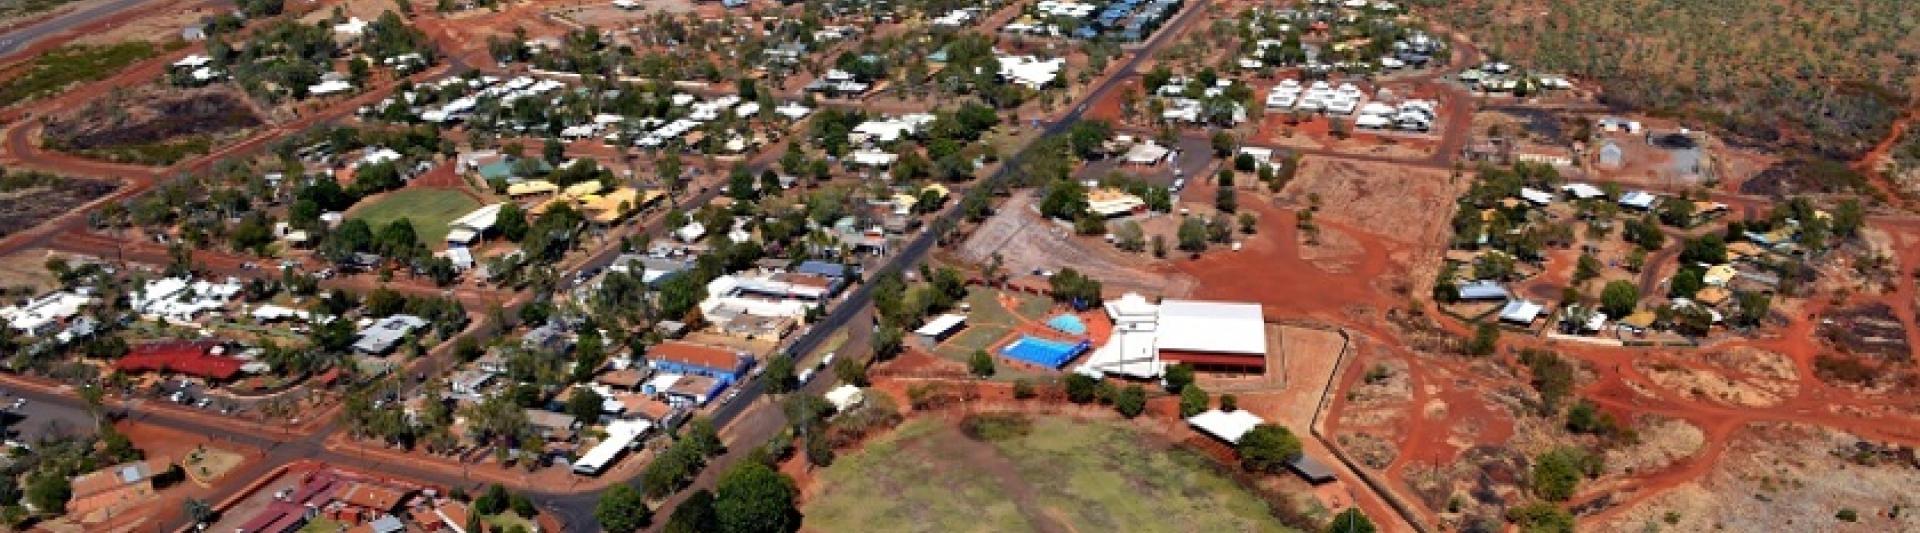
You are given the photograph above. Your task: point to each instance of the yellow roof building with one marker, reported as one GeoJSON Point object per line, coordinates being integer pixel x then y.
{"type": "Point", "coordinates": [531, 187]}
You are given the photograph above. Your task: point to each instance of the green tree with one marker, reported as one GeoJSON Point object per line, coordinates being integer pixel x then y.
{"type": "Point", "coordinates": [1350, 521]}
{"type": "Point", "coordinates": [48, 491]}
{"type": "Point", "coordinates": [512, 222]}
{"type": "Point", "coordinates": [1226, 200]}
{"type": "Point", "coordinates": [695, 515]}
{"type": "Point", "coordinates": [754, 498]}
{"type": "Point", "coordinates": [1192, 234]}
{"type": "Point", "coordinates": [1557, 473]}
{"type": "Point", "coordinates": [887, 342]}
{"type": "Point", "coordinates": [1064, 199]}
{"type": "Point", "coordinates": [585, 404]}
{"type": "Point", "coordinates": [1588, 267]}
{"type": "Point", "coordinates": [1848, 217]}
{"type": "Point", "coordinates": [1753, 307]}
{"type": "Point", "coordinates": [1223, 144]}
{"type": "Point", "coordinates": [1080, 388]}
{"type": "Point", "coordinates": [1687, 281]}
{"type": "Point", "coordinates": [778, 378]}
{"type": "Point", "coordinates": [980, 364]}
{"type": "Point", "coordinates": [1267, 448]}
{"type": "Point", "coordinates": [1193, 401]}
{"type": "Point", "coordinates": [1619, 298]}
{"type": "Point", "coordinates": [622, 510]}
{"type": "Point", "coordinates": [1131, 401]}
{"type": "Point", "coordinates": [1486, 337]}
{"type": "Point", "coordinates": [1086, 137]}
{"type": "Point", "coordinates": [1178, 377]}
{"type": "Point", "coordinates": [850, 371]}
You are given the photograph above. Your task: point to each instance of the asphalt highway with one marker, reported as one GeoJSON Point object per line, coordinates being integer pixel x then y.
{"type": "Point", "coordinates": [19, 39]}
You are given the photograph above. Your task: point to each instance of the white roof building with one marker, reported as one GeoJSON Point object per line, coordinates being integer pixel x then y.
{"type": "Point", "coordinates": [180, 300]}
{"type": "Point", "coordinates": [1143, 331]}
{"type": "Point", "coordinates": [873, 158]}
{"type": "Point", "coordinates": [1536, 196]}
{"type": "Point", "coordinates": [693, 231]}
{"type": "Point", "coordinates": [329, 87]}
{"type": "Point", "coordinates": [845, 397]}
{"type": "Point", "coordinates": [1582, 191]}
{"type": "Point", "coordinates": [470, 226]}
{"type": "Point", "coordinates": [1030, 72]}
{"type": "Point", "coordinates": [793, 111]}
{"type": "Point", "coordinates": [39, 315]}
{"type": "Point", "coordinates": [1213, 327]}
{"type": "Point", "coordinates": [1147, 153]}
{"type": "Point", "coordinates": [621, 435]}
{"type": "Point", "coordinates": [1228, 426]}
{"type": "Point", "coordinates": [353, 27]}
{"type": "Point", "coordinates": [942, 325]}
{"type": "Point", "coordinates": [1641, 200]}
{"type": "Point", "coordinates": [193, 61]}
{"type": "Point", "coordinates": [1520, 312]}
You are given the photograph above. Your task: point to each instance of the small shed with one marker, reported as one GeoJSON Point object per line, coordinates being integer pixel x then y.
{"type": "Point", "coordinates": [941, 327]}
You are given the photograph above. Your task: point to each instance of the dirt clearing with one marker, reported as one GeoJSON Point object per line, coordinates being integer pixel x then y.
{"type": "Point", "coordinates": [152, 125]}
{"type": "Point", "coordinates": [1789, 478]}
{"type": "Point", "coordinates": [1026, 242]}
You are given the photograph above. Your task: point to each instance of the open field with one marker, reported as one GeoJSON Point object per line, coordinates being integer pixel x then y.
{"type": "Point", "coordinates": [68, 65]}
{"type": "Point", "coordinates": [429, 209]}
{"type": "Point", "coordinates": [1061, 476]}
{"type": "Point", "coordinates": [27, 269]}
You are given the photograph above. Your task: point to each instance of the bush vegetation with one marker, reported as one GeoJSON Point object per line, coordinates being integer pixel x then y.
{"type": "Point", "coordinates": [67, 65]}
{"type": "Point", "coordinates": [1825, 76]}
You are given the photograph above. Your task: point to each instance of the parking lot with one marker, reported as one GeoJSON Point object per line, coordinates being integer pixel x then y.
{"type": "Point", "coordinates": [29, 421]}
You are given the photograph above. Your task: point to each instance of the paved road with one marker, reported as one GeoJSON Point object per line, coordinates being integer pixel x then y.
{"type": "Point", "coordinates": [19, 39]}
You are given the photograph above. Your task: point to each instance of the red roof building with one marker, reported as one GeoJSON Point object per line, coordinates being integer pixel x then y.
{"type": "Point", "coordinates": [193, 358]}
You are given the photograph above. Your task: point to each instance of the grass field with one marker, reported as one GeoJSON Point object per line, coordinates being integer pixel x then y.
{"type": "Point", "coordinates": [976, 337]}
{"type": "Point", "coordinates": [429, 209]}
{"type": "Point", "coordinates": [67, 65]}
{"type": "Point", "coordinates": [1079, 476]}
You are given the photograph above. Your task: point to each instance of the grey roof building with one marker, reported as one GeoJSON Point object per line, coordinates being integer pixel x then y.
{"type": "Point", "coordinates": [384, 334]}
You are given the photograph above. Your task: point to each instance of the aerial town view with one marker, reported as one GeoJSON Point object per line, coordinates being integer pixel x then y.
{"type": "Point", "coordinates": [770, 266]}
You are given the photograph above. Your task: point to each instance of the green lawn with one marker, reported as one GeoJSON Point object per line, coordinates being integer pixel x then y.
{"type": "Point", "coordinates": [976, 337]}
{"type": "Point", "coordinates": [1085, 476]}
{"type": "Point", "coordinates": [505, 521]}
{"type": "Point", "coordinates": [322, 525]}
{"type": "Point", "coordinates": [429, 209]}
{"type": "Point", "coordinates": [64, 66]}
